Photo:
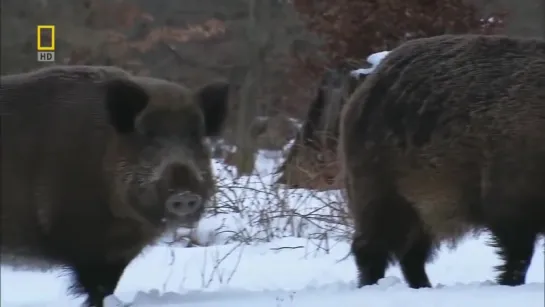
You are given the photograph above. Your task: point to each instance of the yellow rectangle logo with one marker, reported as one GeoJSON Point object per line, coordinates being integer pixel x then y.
{"type": "Point", "coordinates": [40, 44]}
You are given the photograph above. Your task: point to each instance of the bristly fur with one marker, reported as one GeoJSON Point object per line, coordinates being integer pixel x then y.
{"type": "Point", "coordinates": [313, 148]}
{"type": "Point", "coordinates": [446, 138]}
{"type": "Point", "coordinates": [93, 155]}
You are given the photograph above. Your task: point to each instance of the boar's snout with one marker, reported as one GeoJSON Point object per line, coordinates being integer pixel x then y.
{"type": "Point", "coordinates": [184, 203]}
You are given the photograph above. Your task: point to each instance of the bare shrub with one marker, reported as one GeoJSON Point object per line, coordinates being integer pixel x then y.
{"type": "Point", "coordinates": [251, 209]}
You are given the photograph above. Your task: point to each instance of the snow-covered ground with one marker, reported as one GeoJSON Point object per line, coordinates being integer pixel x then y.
{"type": "Point", "coordinates": [265, 275]}
{"type": "Point", "coordinates": [287, 262]}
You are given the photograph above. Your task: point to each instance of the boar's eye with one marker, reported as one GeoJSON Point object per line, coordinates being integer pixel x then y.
{"type": "Point", "coordinates": [197, 133]}
{"type": "Point", "coordinates": [146, 132]}
{"type": "Point", "coordinates": [150, 134]}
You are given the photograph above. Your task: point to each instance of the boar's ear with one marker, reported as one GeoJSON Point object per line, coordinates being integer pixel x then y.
{"type": "Point", "coordinates": [213, 100]}
{"type": "Point", "coordinates": [124, 101]}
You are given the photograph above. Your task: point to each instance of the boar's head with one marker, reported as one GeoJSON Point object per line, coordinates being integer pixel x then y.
{"type": "Point", "coordinates": [158, 160]}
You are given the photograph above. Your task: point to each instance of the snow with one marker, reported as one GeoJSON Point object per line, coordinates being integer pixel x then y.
{"type": "Point", "coordinates": [374, 59]}
{"type": "Point", "coordinates": [287, 262]}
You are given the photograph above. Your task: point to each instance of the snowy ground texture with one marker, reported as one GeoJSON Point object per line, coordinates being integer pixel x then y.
{"type": "Point", "coordinates": [287, 262]}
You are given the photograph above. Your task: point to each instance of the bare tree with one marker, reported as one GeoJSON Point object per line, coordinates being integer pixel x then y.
{"type": "Point", "coordinates": [260, 41]}
{"type": "Point", "coordinates": [526, 17]}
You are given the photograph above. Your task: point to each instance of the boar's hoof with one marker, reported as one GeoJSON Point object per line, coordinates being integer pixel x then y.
{"type": "Point", "coordinates": [184, 203]}
{"type": "Point", "coordinates": [97, 279]}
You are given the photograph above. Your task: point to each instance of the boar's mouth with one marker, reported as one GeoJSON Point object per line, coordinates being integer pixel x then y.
{"type": "Point", "coordinates": [171, 192]}
{"type": "Point", "coordinates": [184, 209]}
{"type": "Point", "coordinates": [178, 209]}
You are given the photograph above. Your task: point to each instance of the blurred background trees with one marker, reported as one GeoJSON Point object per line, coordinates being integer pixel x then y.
{"type": "Point", "coordinates": [274, 52]}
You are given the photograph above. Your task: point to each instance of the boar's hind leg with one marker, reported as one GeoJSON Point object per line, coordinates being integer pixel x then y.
{"type": "Point", "coordinates": [413, 261]}
{"type": "Point", "coordinates": [383, 223]}
{"type": "Point", "coordinates": [371, 260]}
{"type": "Point", "coordinates": [508, 207]}
{"type": "Point", "coordinates": [515, 244]}
{"type": "Point", "coordinates": [97, 279]}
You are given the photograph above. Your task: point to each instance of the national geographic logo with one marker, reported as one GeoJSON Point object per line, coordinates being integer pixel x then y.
{"type": "Point", "coordinates": [45, 43]}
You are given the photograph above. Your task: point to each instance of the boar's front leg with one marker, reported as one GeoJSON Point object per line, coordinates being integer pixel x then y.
{"type": "Point", "coordinates": [97, 279]}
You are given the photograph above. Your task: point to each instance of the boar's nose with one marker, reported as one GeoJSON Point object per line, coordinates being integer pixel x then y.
{"type": "Point", "coordinates": [184, 203]}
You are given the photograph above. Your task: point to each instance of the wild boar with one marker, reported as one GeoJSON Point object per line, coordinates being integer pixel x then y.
{"type": "Point", "coordinates": [97, 164]}
{"type": "Point", "coordinates": [447, 138]}
{"type": "Point", "coordinates": [311, 162]}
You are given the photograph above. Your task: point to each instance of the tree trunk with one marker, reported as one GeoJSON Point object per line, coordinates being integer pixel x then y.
{"type": "Point", "coordinates": [259, 37]}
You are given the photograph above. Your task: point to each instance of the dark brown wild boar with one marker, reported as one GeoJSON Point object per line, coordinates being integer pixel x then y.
{"type": "Point", "coordinates": [97, 164]}
{"type": "Point", "coordinates": [444, 139]}
{"type": "Point", "coordinates": [311, 162]}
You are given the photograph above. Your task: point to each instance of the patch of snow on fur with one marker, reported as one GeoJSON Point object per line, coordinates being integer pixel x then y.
{"type": "Point", "coordinates": [374, 59]}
